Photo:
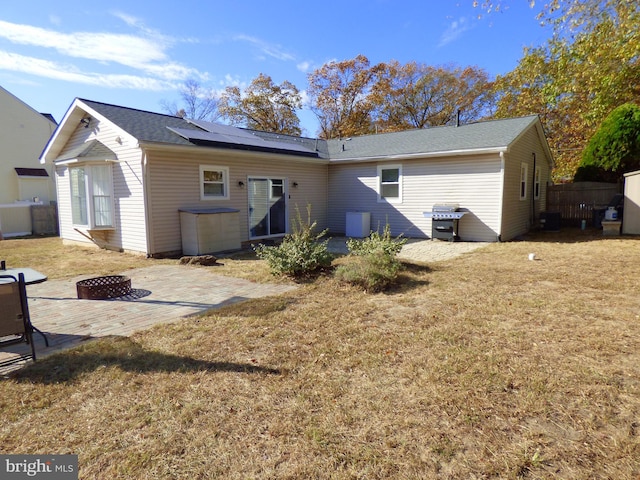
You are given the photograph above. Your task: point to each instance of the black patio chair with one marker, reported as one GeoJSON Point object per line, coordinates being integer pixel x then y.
{"type": "Point", "coordinates": [15, 325]}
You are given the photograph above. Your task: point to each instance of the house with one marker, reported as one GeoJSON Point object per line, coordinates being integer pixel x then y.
{"type": "Point", "coordinates": [158, 184]}
{"type": "Point", "coordinates": [23, 134]}
{"type": "Point", "coordinates": [496, 171]}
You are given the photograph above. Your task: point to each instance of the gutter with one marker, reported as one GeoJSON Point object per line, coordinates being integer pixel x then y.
{"type": "Point", "coordinates": [168, 147]}
{"type": "Point", "coordinates": [409, 156]}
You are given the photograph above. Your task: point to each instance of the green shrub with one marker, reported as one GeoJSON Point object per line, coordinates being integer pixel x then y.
{"type": "Point", "coordinates": [372, 272]}
{"type": "Point", "coordinates": [376, 243]}
{"type": "Point", "coordinates": [300, 253]}
{"type": "Point", "coordinates": [372, 264]}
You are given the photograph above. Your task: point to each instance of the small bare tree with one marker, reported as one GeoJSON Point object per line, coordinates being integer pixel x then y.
{"type": "Point", "coordinates": [198, 103]}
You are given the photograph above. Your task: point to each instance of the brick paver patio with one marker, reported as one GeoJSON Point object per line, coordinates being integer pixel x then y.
{"type": "Point", "coordinates": [161, 294]}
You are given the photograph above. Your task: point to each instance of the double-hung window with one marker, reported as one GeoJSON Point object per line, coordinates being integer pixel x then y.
{"type": "Point", "coordinates": [536, 184]}
{"type": "Point", "coordinates": [390, 183]}
{"type": "Point", "coordinates": [91, 196]}
{"type": "Point", "coordinates": [523, 181]}
{"type": "Point", "coordinates": [214, 183]}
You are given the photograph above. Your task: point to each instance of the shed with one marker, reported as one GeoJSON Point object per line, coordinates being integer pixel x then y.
{"type": "Point", "coordinates": [631, 219]}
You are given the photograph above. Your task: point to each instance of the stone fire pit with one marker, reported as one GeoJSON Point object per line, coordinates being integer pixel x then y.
{"type": "Point", "coordinates": [100, 288]}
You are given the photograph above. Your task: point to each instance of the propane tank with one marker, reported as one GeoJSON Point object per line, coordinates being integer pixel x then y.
{"type": "Point", "coordinates": [611, 214]}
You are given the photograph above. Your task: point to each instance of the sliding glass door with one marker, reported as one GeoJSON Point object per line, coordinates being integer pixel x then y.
{"type": "Point", "coordinates": [267, 207]}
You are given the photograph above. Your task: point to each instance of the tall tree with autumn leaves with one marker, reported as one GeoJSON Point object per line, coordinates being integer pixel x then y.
{"type": "Point", "coordinates": [589, 66]}
{"type": "Point", "coordinates": [352, 97]}
{"type": "Point", "coordinates": [340, 94]}
{"type": "Point", "coordinates": [263, 105]}
{"type": "Point", "coordinates": [420, 96]}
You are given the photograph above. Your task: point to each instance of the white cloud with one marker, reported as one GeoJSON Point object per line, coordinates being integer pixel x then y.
{"type": "Point", "coordinates": [454, 31]}
{"type": "Point", "coordinates": [304, 67]}
{"type": "Point", "coordinates": [55, 19]}
{"type": "Point", "coordinates": [232, 81]}
{"type": "Point", "coordinates": [124, 49]}
{"type": "Point", "coordinates": [274, 51]}
{"type": "Point", "coordinates": [69, 73]}
{"type": "Point", "coordinates": [128, 19]}
{"type": "Point", "coordinates": [304, 96]}
{"type": "Point", "coordinates": [146, 54]}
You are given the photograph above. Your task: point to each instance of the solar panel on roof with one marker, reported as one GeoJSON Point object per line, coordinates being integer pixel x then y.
{"type": "Point", "coordinates": [238, 138]}
{"type": "Point", "coordinates": [221, 129]}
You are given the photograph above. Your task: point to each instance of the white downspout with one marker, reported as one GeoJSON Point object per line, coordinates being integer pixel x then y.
{"type": "Point", "coordinates": [501, 208]}
{"type": "Point", "coordinates": [147, 204]}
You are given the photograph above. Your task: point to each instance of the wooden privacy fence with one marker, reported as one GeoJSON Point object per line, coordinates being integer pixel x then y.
{"type": "Point", "coordinates": [580, 201]}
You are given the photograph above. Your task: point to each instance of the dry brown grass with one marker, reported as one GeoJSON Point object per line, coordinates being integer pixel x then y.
{"type": "Point", "coordinates": [57, 260]}
{"type": "Point", "coordinates": [488, 366]}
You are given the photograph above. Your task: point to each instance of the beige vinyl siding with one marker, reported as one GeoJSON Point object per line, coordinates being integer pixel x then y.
{"type": "Point", "coordinates": [518, 215]}
{"type": "Point", "coordinates": [61, 174]}
{"type": "Point", "coordinates": [472, 182]}
{"type": "Point", "coordinates": [173, 183]}
{"type": "Point", "coordinates": [129, 232]}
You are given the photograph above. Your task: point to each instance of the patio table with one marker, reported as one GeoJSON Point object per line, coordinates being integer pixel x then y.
{"type": "Point", "coordinates": [31, 277]}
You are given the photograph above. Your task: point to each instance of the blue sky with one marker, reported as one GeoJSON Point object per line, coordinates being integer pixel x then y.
{"type": "Point", "coordinates": [137, 53]}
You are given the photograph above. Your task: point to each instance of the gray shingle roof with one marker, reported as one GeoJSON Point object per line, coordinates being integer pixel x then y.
{"type": "Point", "coordinates": [91, 150]}
{"type": "Point", "coordinates": [149, 127]}
{"type": "Point", "coordinates": [156, 127]}
{"type": "Point", "coordinates": [145, 126]}
{"type": "Point", "coordinates": [473, 136]}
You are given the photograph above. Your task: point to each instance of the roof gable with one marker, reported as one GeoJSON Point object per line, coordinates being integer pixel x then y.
{"type": "Point", "coordinates": [93, 150]}
{"type": "Point", "coordinates": [7, 97]}
{"type": "Point", "coordinates": [144, 126]}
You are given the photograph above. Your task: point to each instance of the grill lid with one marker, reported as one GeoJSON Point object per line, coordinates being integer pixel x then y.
{"type": "Point", "coordinates": [445, 207]}
{"type": "Point", "coordinates": [444, 211]}
{"type": "Point", "coordinates": [444, 215]}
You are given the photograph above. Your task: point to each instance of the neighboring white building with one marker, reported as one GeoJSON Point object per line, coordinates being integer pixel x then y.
{"type": "Point", "coordinates": [125, 178]}
{"type": "Point", "coordinates": [23, 134]}
{"type": "Point", "coordinates": [631, 218]}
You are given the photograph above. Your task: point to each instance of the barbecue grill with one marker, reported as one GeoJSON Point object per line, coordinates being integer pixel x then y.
{"type": "Point", "coordinates": [444, 221]}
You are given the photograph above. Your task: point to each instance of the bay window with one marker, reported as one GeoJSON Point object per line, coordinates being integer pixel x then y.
{"type": "Point", "coordinates": [91, 196]}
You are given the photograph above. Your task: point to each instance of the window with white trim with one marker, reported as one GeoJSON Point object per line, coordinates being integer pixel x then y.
{"type": "Point", "coordinates": [523, 181]}
{"type": "Point", "coordinates": [214, 183]}
{"type": "Point", "coordinates": [277, 188]}
{"type": "Point", "coordinates": [91, 196]}
{"type": "Point", "coordinates": [390, 183]}
{"type": "Point", "coordinates": [536, 184]}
